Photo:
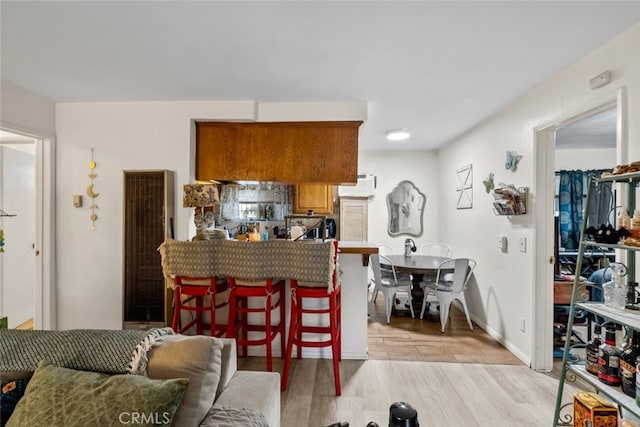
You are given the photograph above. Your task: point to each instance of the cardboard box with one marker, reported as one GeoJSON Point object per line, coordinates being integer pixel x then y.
{"type": "Point", "coordinates": [591, 410]}
{"type": "Point", "coordinates": [562, 292]}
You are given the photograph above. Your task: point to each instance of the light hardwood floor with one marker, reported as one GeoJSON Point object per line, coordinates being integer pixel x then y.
{"type": "Point", "coordinates": [460, 378]}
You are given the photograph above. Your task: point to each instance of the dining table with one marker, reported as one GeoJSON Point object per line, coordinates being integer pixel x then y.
{"type": "Point", "coordinates": [418, 266]}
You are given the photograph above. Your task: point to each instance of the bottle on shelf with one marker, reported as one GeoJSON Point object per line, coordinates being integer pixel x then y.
{"type": "Point", "coordinates": [591, 363]}
{"type": "Point", "coordinates": [609, 358]}
{"type": "Point", "coordinates": [635, 221]}
{"type": "Point", "coordinates": [624, 220]}
{"type": "Point", "coordinates": [628, 361]}
{"type": "Point", "coordinates": [615, 290]}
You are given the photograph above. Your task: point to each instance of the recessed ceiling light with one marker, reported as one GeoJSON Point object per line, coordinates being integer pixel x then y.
{"type": "Point", "coordinates": [398, 134]}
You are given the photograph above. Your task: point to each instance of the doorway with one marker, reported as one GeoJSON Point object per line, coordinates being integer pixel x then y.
{"type": "Point", "coordinates": [27, 265]}
{"type": "Point", "coordinates": [17, 224]}
{"type": "Point", "coordinates": [545, 154]}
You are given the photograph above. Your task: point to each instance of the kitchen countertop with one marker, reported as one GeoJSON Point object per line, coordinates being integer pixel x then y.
{"type": "Point", "coordinates": [355, 247]}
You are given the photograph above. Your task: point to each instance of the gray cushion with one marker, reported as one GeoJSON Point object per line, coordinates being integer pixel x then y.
{"type": "Point", "coordinates": [197, 358]}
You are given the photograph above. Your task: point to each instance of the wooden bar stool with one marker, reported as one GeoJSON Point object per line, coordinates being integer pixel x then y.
{"type": "Point", "coordinates": [239, 310]}
{"type": "Point", "coordinates": [208, 294]}
{"type": "Point", "coordinates": [315, 291]}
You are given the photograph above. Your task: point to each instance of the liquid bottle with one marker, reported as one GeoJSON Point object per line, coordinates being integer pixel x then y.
{"type": "Point", "coordinates": [628, 361]}
{"type": "Point", "coordinates": [609, 359]}
{"type": "Point", "coordinates": [624, 220]}
{"type": "Point", "coordinates": [591, 363]}
{"type": "Point", "coordinates": [615, 290]}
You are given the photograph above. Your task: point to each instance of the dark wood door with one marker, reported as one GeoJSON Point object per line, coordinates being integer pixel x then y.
{"type": "Point", "coordinates": [145, 226]}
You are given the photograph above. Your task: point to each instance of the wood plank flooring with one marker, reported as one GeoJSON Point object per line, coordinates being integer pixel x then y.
{"type": "Point", "coordinates": [405, 338]}
{"type": "Point", "coordinates": [460, 378]}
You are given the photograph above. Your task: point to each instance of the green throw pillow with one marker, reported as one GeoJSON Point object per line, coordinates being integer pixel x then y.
{"type": "Point", "coordinates": [59, 396]}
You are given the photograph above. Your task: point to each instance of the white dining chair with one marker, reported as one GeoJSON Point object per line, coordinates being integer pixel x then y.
{"type": "Point", "coordinates": [382, 250]}
{"type": "Point", "coordinates": [389, 282]}
{"type": "Point", "coordinates": [450, 284]}
{"type": "Point", "coordinates": [386, 250]}
{"type": "Point", "coordinates": [436, 249]}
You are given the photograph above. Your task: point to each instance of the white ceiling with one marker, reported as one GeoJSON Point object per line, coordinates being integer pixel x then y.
{"type": "Point", "coordinates": [595, 131]}
{"type": "Point", "coordinates": [436, 68]}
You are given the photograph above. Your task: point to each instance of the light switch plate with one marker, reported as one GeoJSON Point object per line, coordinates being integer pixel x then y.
{"type": "Point", "coordinates": [77, 200]}
{"type": "Point", "coordinates": [523, 244]}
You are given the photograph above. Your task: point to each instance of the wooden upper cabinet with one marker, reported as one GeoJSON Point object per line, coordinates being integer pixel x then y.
{"type": "Point", "coordinates": [295, 152]}
{"type": "Point", "coordinates": [315, 197]}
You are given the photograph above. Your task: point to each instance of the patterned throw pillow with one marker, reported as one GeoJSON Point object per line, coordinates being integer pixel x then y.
{"type": "Point", "coordinates": [59, 396]}
{"type": "Point", "coordinates": [11, 392]}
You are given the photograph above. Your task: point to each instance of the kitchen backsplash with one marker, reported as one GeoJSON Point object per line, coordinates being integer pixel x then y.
{"type": "Point", "coordinates": [257, 201]}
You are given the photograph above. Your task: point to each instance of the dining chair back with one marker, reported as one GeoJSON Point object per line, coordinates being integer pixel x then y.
{"type": "Point", "coordinates": [389, 282]}
{"type": "Point", "coordinates": [451, 282]}
{"type": "Point", "coordinates": [386, 250]}
{"type": "Point", "coordinates": [436, 249]}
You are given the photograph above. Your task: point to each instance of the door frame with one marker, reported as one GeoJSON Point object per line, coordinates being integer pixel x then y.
{"type": "Point", "coordinates": [45, 314]}
{"type": "Point", "coordinates": [544, 150]}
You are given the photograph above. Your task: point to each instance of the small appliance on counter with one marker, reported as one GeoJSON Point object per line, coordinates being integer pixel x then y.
{"type": "Point", "coordinates": [329, 233]}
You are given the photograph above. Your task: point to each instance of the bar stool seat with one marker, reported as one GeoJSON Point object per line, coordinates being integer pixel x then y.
{"type": "Point", "coordinates": [208, 294]}
{"type": "Point", "coordinates": [301, 291]}
{"type": "Point", "coordinates": [272, 291]}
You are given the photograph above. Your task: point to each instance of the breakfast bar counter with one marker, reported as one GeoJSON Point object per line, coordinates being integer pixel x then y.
{"type": "Point", "coordinates": [354, 260]}
{"type": "Point", "coordinates": [285, 259]}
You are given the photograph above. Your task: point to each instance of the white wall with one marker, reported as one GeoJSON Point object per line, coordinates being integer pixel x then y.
{"type": "Point", "coordinates": [17, 262]}
{"type": "Point", "coordinates": [585, 159]}
{"type": "Point", "coordinates": [125, 136]}
{"type": "Point", "coordinates": [504, 290]}
{"type": "Point", "coordinates": [390, 168]}
{"type": "Point", "coordinates": [25, 110]}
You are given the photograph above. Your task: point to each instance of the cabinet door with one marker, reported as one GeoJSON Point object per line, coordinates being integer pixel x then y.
{"type": "Point", "coordinates": [315, 197]}
{"type": "Point", "coordinates": [354, 222]}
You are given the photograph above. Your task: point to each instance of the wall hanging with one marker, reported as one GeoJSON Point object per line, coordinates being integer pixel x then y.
{"type": "Point", "coordinates": [405, 205]}
{"type": "Point", "coordinates": [464, 187]}
{"type": "Point", "coordinates": [488, 183]}
{"type": "Point", "coordinates": [513, 158]}
{"type": "Point", "coordinates": [509, 200]}
{"type": "Point", "coordinates": [91, 193]}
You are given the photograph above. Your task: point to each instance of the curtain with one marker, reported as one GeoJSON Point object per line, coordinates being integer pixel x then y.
{"type": "Point", "coordinates": [570, 202]}
{"type": "Point", "coordinates": [571, 195]}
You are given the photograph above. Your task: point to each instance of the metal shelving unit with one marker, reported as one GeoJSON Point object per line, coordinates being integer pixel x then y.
{"type": "Point", "coordinates": [625, 317]}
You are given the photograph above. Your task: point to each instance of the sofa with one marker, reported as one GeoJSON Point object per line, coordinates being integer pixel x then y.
{"type": "Point", "coordinates": [190, 381]}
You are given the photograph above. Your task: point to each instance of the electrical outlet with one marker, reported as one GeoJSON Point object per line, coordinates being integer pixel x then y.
{"type": "Point", "coordinates": [523, 244]}
{"type": "Point", "coordinates": [522, 324]}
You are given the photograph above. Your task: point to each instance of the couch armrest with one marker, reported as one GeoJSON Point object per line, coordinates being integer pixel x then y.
{"type": "Point", "coordinates": [229, 363]}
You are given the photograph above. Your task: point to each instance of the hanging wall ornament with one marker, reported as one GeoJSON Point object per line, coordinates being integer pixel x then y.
{"type": "Point", "coordinates": [91, 193]}
{"type": "Point", "coordinates": [512, 161]}
{"type": "Point", "coordinates": [488, 183]}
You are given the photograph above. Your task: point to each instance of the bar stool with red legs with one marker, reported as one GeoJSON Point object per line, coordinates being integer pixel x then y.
{"type": "Point", "coordinates": [272, 293]}
{"type": "Point", "coordinates": [208, 295]}
{"type": "Point", "coordinates": [301, 291]}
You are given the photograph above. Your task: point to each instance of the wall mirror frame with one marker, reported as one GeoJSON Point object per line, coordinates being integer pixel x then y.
{"type": "Point", "coordinates": [405, 206]}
